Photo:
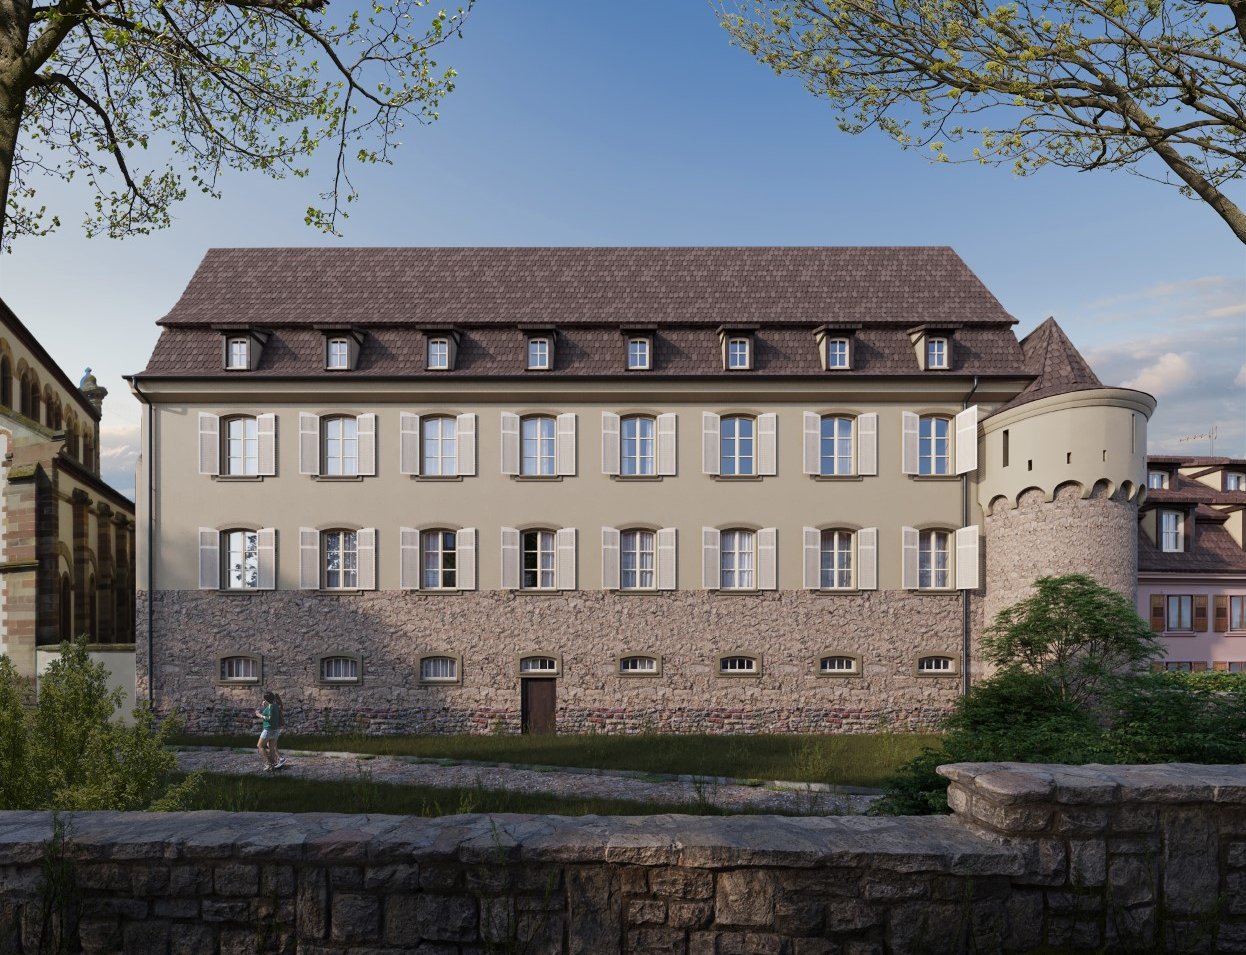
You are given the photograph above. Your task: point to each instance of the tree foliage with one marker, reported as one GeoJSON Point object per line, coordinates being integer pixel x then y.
{"type": "Point", "coordinates": [149, 99]}
{"type": "Point", "coordinates": [1155, 87]}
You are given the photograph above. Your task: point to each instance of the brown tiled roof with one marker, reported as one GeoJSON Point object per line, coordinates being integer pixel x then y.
{"type": "Point", "coordinates": [1214, 551]}
{"type": "Point", "coordinates": [1055, 362]}
{"type": "Point", "coordinates": [1195, 460]}
{"type": "Point", "coordinates": [1183, 489]}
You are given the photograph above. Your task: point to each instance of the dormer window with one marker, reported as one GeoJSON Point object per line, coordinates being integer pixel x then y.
{"type": "Point", "coordinates": [337, 354]}
{"type": "Point", "coordinates": [1235, 481]}
{"type": "Point", "coordinates": [341, 348]}
{"type": "Point", "coordinates": [238, 353]}
{"type": "Point", "coordinates": [1157, 480]}
{"type": "Point", "coordinates": [936, 354]}
{"type": "Point", "coordinates": [438, 354]}
{"type": "Point", "coordinates": [540, 353]}
{"type": "Point", "coordinates": [837, 354]}
{"type": "Point", "coordinates": [1171, 532]}
{"type": "Point", "coordinates": [739, 354]}
{"type": "Point", "coordinates": [639, 354]}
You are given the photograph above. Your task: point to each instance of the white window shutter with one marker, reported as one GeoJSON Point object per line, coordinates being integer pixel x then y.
{"type": "Point", "coordinates": [564, 558]}
{"type": "Point", "coordinates": [609, 443]}
{"type": "Point", "coordinates": [609, 558]}
{"type": "Point", "coordinates": [867, 444]}
{"type": "Point", "coordinates": [209, 558]}
{"type": "Point", "coordinates": [908, 545]}
{"type": "Point", "coordinates": [813, 442]}
{"type": "Point", "coordinates": [709, 443]}
{"type": "Point", "coordinates": [309, 558]}
{"type": "Point", "coordinates": [309, 443]}
{"type": "Point", "coordinates": [813, 558]}
{"type": "Point", "coordinates": [967, 440]}
{"type": "Point", "coordinates": [711, 566]}
{"type": "Point", "coordinates": [268, 558]}
{"type": "Point", "coordinates": [465, 558]}
{"type": "Point", "coordinates": [510, 444]}
{"type": "Point", "coordinates": [909, 437]}
{"type": "Point", "coordinates": [366, 542]}
{"type": "Point", "coordinates": [967, 558]}
{"type": "Point", "coordinates": [668, 558]}
{"type": "Point", "coordinates": [367, 444]}
{"type": "Point", "coordinates": [566, 446]}
{"type": "Point", "coordinates": [209, 443]}
{"type": "Point", "coordinates": [667, 444]}
{"type": "Point", "coordinates": [867, 558]}
{"type": "Point", "coordinates": [465, 445]}
{"type": "Point", "coordinates": [266, 434]}
{"type": "Point", "coordinates": [510, 558]}
{"type": "Point", "coordinates": [408, 558]}
{"type": "Point", "coordinates": [768, 444]}
{"type": "Point", "coordinates": [409, 443]}
{"type": "Point", "coordinates": [768, 558]}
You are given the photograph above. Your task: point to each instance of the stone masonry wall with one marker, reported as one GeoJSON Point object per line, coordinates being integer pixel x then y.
{"type": "Point", "coordinates": [589, 630]}
{"type": "Point", "coordinates": [1038, 859]}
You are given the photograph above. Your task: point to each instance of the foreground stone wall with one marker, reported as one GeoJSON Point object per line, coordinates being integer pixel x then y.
{"type": "Point", "coordinates": [588, 631]}
{"type": "Point", "coordinates": [1037, 859]}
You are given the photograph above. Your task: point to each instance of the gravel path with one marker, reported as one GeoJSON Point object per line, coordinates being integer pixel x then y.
{"type": "Point", "coordinates": [570, 783]}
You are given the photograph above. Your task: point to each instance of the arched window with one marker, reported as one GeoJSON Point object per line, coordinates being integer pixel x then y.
{"type": "Point", "coordinates": [835, 445]}
{"type": "Point", "coordinates": [238, 669]}
{"type": "Point", "coordinates": [340, 559]}
{"type": "Point", "coordinates": [640, 665]}
{"type": "Point", "coordinates": [538, 444]}
{"type": "Point", "coordinates": [538, 560]}
{"type": "Point", "coordinates": [240, 557]}
{"type": "Point", "coordinates": [934, 454]}
{"type": "Point", "coordinates": [240, 446]}
{"type": "Point", "coordinates": [739, 665]}
{"type": "Point", "coordinates": [439, 669]}
{"type": "Point", "coordinates": [933, 562]}
{"type": "Point", "coordinates": [836, 563]}
{"type": "Point", "coordinates": [6, 381]}
{"type": "Point", "coordinates": [439, 446]}
{"type": "Point", "coordinates": [636, 560]}
{"type": "Point", "coordinates": [637, 446]}
{"type": "Point", "coordinates": [840, 664]}
{"type": "Point", "coordinates": [936, 665]}
{"type": "Point", "coordinates": [737, 553]}
{"type": "Point", "coordinates": [438, 560]}
{"type": "Point", "coordinates": [340, 437]}
{"type": "Point", "coordinates": [544, 666]}
{"type": "Point", "coordinates": [339, 668]}
{"type": "Point", "coordinates": [92, 606]}
{"type": "Point", "coordinates": [67, 608]}
{"type": "Point", "coordinates": [737, 445]}
{"type": "Point", "coordinates": [32, 406]}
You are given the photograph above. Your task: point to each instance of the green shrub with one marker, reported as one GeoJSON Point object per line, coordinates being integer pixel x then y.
{"type": "Point", "coordinates": [1179, 718]}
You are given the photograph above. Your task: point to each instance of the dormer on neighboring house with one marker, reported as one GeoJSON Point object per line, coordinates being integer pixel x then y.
{"type": "Point", "coordinates": [836, 345]}
{"type": "Point", "coordinates": [241, 347]}
{"type": "Point", "coordinates": [1158, 478]}
{"type": "Point", "coordinates": [341, 347]}
{"type": "Point", "coordinates": [933, 345]}
{"type": "Point", "coordinates": [739, 345]}
{"type": "Point", "coordinates": [540, 347]}
{"type": "Point", "coordinates": [441, 348]}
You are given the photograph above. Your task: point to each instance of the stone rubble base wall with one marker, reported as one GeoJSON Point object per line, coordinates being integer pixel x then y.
{"type": "Point", "coordinates": [587, 631]}
{"type": "Point", "coordinates": [1036, 859]}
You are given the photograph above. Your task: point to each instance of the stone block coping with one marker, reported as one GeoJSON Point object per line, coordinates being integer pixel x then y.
{"type": "Point", "coordinates": [1096, 784]}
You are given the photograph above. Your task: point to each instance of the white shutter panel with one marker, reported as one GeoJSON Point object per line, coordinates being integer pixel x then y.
{"type": "Point", "coordinates": [709, 443]}
{"type": "Point", "coordinates": [564, 558]}
{"type": "Point", "coordinates": [767, 558]}
{"type": "Point", "coordinates": [266, 432]}
{"type": "Point", "coordinates": [408, 558]}
{"type": "Point", "coordinates": [867, 444]}
{"type": "Point", "coordinates": [465, 445]}
{"type": "Point", "coordinates": [409, 443]}
{"type": "Point", "coordinates": [967, 558]}
{"type": "Point", "coordinates": [309, 558]}
{"type": "Point", "coordinates": [367, 444]}
{"type": "Point", "coordinates": [813, 558]}
{"type": "Point", "coordinates": [510, 558]}
{"type": "Point", "coordinates": [465, 558]}
{"type": "Point", "coordinates": [668, 566]}
{"type": "Point", "coordinates": [768, 444]}
{"type": "Point", "coordinates": [967, 440]}
{"type": "Point", "coordinates": [609, 558]}
{"type": "Point", "coordinates": [609, 443]}
{"type": "Point", "coordinates": [867, 558]}
{"type": "Point", "coordinates": [565, 446]}
{"type": "Point", "coordinates": [510, 444]}
{"type": "Point", "coordinates": [908, 543]}
{"type": "Point", "coordinates": [209, 558]}
{"type": "Point", "coordinates": [711, 565]}
{"type": "Point", "coordinates": [268, 558]}
{"type": "Point", "coordinates": [309, 443]}
{"type": "Point", "coordinates": [667, 444]}
{"type": "Point", "coordinates": [365, 540]}
{"type": "Point", "coordinates": [813, 442]}
{"type": "Point", "coordinates": [209, 443]}
{"type": "Point", "coordinates": [909, 438]}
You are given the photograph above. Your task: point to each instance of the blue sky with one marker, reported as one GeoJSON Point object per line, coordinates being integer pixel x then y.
{"type": "Point", "coordinates": [622, 124]}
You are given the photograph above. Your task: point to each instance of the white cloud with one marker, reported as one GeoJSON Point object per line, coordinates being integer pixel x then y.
{"type": "Point", "coordinates": [119, 456]}
{"type": "Point", "coordinates": [1167, 375]}
{"type": "Point", "coordinates": [1240, 380]}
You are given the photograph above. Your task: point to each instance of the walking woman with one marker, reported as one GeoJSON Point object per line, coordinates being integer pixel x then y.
{"type": "Point", "coordinates": [271, 714]}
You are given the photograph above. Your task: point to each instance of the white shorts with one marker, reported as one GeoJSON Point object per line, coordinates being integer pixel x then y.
{"type": "Point", "coordinates": [269, 734]}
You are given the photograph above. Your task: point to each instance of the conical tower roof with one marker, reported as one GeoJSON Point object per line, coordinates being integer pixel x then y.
{"type": "Point", "coordinates": [1057, 364]}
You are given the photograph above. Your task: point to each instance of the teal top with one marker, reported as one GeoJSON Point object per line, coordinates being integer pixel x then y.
{"type": "Point", "coordinates": [267, 714]}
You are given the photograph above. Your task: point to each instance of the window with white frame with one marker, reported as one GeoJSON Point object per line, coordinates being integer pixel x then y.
{"type": "Point", "coordinates": [240, 554]}
{"type": "Point", "coordinates": [636, 560]}
{"type": "Point", "coordinates": [637, 458]}
{"type": "Point", "coordinates": [934, 445]}
{"type": "Point", "coordinates": [1157, 480]}
{"type": "Point", "coordinates": [538, 560]}
{"type": "Point", "coordinates": [339, 560]}
{"type": "Point", "coordinates": [538, 665]}
{"type": "Point", "coordinates": [837, 354]}
{"type": "Point", "coordinates": [340, 446]}
{"type": "Point", "coordinates": [1237, 613]}
{"type": "Point", "coordinates": [1179, 612]}
{"type": "Point", "coordinates": [439, 446]}
{"type": "Point", "coordinates": [835, 445]}
{"type": "Point", "coordinates": [439, 669]}
{"type": "Point", "coordinates": [339, 669]}
{"type": "Point", "coordinates": [737, 446]}
{"type": "Point", "coordinates": [238, 353]}
{"type": "Point", "coordinates": [737, 560]}
{"type": "Point", "coordinates": [933, 571]}
{"type": "Point", "coordinates": [738, 354]}
{"type": "Point", "coordinates": [438, 560]}
{"type": "Point", "coordinates": [241, 457]}
{"type": "Point", "coordinates": [1235, 481]}
{"type": "Point", "coordinates": [936, 665]}
{"type": "Point", "coordinates": [538, 446]}
{"type": "Point", "coordinates": [936, 353]}
{"type": "Point", "coordinates": [239, 669]}
{"type": "Point", "coordinates": [1171, 531]}
{"type": "Point", "coordinates": [438, 354]}
{"type": "Point", "coordinates": [538, 354]}
{"type": "Point", "coordinates": [739, 665]}
{"type": "Point", "coordinates": [337, 354]}
{"type": "Point", "coordinates": [638, 666]}
{"type": "Point", "coordinates": [836, 560]}
{"type": "Point", "coordinates": [638, 354]}
{"type": "Point", "coordinates": [838, 665]}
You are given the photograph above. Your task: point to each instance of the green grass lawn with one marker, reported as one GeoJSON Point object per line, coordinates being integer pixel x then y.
{"type": "Point", "coordinates": [839, 760]}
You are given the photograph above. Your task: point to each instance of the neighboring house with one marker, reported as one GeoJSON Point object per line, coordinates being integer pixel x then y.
{"type": "Point", "coordinates": [67, 551]}
{"type": "Point", "coordinates": [719, 490]}
{"type": "Point", "coordinates": [1191, 561]}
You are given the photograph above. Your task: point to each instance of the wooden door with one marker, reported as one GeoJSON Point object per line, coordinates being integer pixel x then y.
{"type": "Point", "coordinates": [539, 705]}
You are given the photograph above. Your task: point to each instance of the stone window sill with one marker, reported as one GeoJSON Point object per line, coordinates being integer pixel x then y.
{"type": "Point", "coordinates": [238, 478]}
{"type": "Point", "coordinates": [344, 592]}
{"type": "Point", "coordinates": [742, 478]}
{"type": "Point", "coordinates": [934, 478]}
{"type": "Point", "coordinates": [540, 592]}
{"type": "Point", "coordinates": [645, 592]}
{"type": "Point", "coordinates": [637, 478]}
{"type": "Point", "coordinates": [443, 683]}
{"type": "Point", "coordinates": [240, 591]}
{"type": "Point", "coordinates": [832, 478]}
{"type": "Point", "coordinates": [837, 676]}
{"type": "Point", "coordinates": [435, 591]}
{"type": "Point", "coordinates": [836, 591]}
{"type": "Point", "coordinates": [437, 478]}
{"type": "Point", "coordinates": [338, 478]}
{"type": "Point", "coordinates": [537, 478]}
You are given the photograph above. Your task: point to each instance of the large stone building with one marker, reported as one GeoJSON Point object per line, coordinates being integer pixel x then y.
{"type": "Point", "coordinates": [1191, 561]}
{"type": "Point", "coordinates": [723, 490]}
{"type": "Point", "coordinates": [67, 550]}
